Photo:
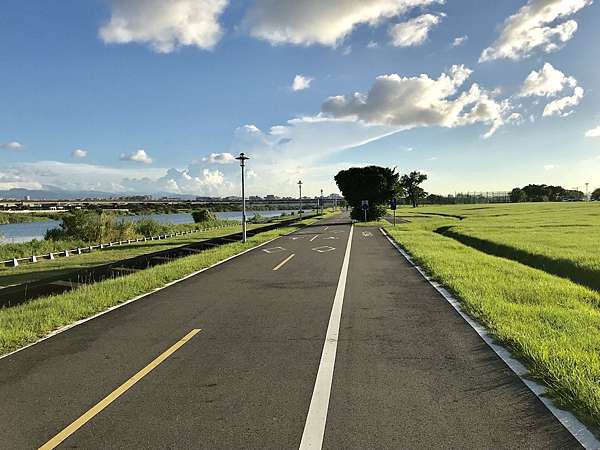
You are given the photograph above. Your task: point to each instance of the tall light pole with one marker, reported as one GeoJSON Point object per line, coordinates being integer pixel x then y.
{"type": "Point", "coordinates": [322, 209]}
{"type": "Point", "coordinates": [300, 188]}
{"type": "Point", "coordinates": [242, 159]}
{"type": "Point", "coordinates": [587, 192]}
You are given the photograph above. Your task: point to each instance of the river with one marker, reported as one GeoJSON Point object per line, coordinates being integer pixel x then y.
{"type": "Point", "coordinates": [24, 232]}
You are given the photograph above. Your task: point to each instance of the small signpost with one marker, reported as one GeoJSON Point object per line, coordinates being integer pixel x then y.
{"type": "Point", "coordinates": [393, 206]}
{"type": "Point", "coordinates": [365, 207]}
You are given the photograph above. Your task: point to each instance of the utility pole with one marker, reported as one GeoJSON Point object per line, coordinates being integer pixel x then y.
{"type": "Point", "coordinates": [242, 159]}
{"type": "Point", "coordinates": [300, 188]}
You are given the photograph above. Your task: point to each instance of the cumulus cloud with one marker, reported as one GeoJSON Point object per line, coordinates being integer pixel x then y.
{"type": "Point", "coordinates": [320, 22]}
{"type": "Point", "coordinates": [139, 156]}
{"type": "Point", "coordinates": [14, 145]}
{"type": "Point", "coordinates": [409, 102]}
{"type": "Point", "coordinates": [79, 153]}
{"type": "Point", "coordinates": [546, 83]}
{"type": "Point", "coordinates": [561, 107]}
{"type": "Point", "coordinates": [165, 25]}
{"type": "Point", "coordinates": [219, 158]}
{"type": "Point", "coordinates": [301, 82]}
{"type": "Point", "coordinates": [413, 32]}
{"type": "Point", "coordinates": [550, 82]}
{"type": "Point", "coordinates": [540, 24]}
{"type": "Point", "coordinates": [594, 132]}
{"type": "Point", "coordinates": [182, 181]}
{"type": "Point", "coordinates": [461, 40]}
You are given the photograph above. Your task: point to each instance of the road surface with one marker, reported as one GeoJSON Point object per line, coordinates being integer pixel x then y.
{"type": "Point", "coordinates": [341, 346]}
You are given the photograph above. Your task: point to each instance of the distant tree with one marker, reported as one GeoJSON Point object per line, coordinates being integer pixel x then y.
{"type": "Point", "coordinates": [517, 195]}
{"type": "Point", "coordinates": [373, 183]}
{"type": "Point", "coordinates": [411, 185]}
{"type": "Point", "coordinates": [573, 195]}
{"type": "Point", "coordinates": [596, 195]}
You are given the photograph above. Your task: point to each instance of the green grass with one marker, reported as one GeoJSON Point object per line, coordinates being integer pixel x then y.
{"type": "Point", "coordinates": [6, 217]}
{"type": "Point", "coordinates": [50, 268]}
{"type": "Point", "coordinates": [549, 321]}
{"type": "Point", "coordinates": [23, 324]}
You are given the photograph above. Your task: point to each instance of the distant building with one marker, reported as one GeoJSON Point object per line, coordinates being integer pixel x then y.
{"type": "Point", "coordinates": [271, 197]}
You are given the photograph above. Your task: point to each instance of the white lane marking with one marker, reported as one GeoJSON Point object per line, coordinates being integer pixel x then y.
{"type": "Point", "coordinates": [282, 263]}
{"type": "Point", "coordinates": [274, 250]}
{"type": "Point", "coordinates": [314, 237]}
{"type": "Point", "coordinates": [331, 237]}
{"type": "Point", "coordinates": [585, 437]}
{"type": "Point", "coordinates": [314, 428]}
{"type": "Point", "coordinates": [325, 229]}
{"type": "Point", "coordinates": [324, 249]}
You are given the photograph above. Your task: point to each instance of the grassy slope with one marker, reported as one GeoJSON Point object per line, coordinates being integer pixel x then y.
{"type": "Point", "coordinates": [48, 268]}
{"type": "Point", "coordinates": [23, 324]}
{"type": "Point", "coordinates": [550, 322]}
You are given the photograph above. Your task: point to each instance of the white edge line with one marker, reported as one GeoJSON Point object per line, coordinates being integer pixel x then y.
{"type": "Point", "coordinates": [120, 305]}
{"type": "Point", "coordinates": [579, 431]}
{"type": "Point", "coordinates": [316, 419]}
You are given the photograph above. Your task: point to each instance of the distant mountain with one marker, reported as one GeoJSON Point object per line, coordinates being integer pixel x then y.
{"type": "Point", "coordinates": [51, 193]}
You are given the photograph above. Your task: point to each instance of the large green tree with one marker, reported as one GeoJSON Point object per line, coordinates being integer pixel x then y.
{"type": "Point", "coordinates": [411, 184]}
{"type": "Point", "coordinates": [373, 183]}
{"type": "Point", "coordinates": [596, 195]}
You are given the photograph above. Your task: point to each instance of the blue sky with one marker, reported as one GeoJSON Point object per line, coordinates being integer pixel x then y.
{"type": "Point", "coordinates": [153, 95]}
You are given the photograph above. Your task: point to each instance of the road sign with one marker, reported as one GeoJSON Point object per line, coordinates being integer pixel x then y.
{"type": "Point", "coordinates": [365, 205]}
{"type": "Point", "coordinates": [394, 203]}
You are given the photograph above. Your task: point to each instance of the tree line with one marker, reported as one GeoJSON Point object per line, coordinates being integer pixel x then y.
{"type": "Point", "coordinates": [548, 193]}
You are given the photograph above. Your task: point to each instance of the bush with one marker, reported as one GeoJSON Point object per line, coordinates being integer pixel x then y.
{"type": "Point", "coordinates": [203, 215]}
{"type": "Point", "coordinates": [92, 227]}
{"type": "Point", "coordinates": [149, 227]}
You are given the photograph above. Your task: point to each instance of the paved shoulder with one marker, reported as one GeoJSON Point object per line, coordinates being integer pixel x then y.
{"type": "Point", "coordinates": [410, 373]}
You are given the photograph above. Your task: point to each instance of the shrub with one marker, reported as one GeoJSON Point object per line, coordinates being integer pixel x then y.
{"type": "Point", "coordinates": [149, 227]}
{"type": "Point", "coordinates": [203, 215]}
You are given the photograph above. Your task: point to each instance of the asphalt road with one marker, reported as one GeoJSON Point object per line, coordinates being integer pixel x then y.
{"type": "Point", "coordinates": [409, 372]}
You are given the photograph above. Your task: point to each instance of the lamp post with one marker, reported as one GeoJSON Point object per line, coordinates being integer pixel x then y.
{"type": "Point", "coordinates": [242, 159]}
{"type": "Point", "coordinates": [300, 188]}
{"type": "Point", "coordinates": [322, 206]}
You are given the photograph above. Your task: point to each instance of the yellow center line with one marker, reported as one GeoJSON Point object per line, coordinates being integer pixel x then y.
{"type": "Point", "coordinates": [282, 263]}
{"type": "Point", "coordinates": [64, 434]}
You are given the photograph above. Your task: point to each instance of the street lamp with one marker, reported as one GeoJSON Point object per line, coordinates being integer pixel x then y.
{"type": "Point", "coordinates": [300, 188]}
{"type": "Point", "coordinates": [322, 206]}
{"type": "Point", "coordinates": [242, 159]}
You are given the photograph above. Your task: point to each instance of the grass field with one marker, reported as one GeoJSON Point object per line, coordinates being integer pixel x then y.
{"type": "Point", "coordinates": [26, 323]}
{"type": "Point", "coordinates": [528, 272]}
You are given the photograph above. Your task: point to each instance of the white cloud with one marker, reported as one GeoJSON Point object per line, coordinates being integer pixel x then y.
{"type": "Point", "coordinates": [14, 145]}
{"type": "Point", "coordinates": [79, 153]}
{"type": "Point", "coordinates": [139, 156]}
{"type": "Point", "coordinates": [548, 82]}
{"type": "Point", "coordinates": [327, 23]}
{"type": "Point", "coordinates": [539, 25]}
{"type": "Point", "coordinates": [183, 181]}
{"type": "Point", "coordinates": [413, 32]}
{"type": "Point", "coordinates": [549, 167]}
{"type": "Point", "coordinates": [372, 45]}
{"type": "Point", "coordinates": [165, 25]}
{"type": "Point", "coordinates": [301, 82]}
{"type": "Point", "coordinates": [558, 107]}
{"type": "Point", "coordinates": [460, 41]}
{"type": "Point", "coordinates": [219, 158]}
{"type": "Point", "coordinates": [594, 132]}
{"type": "Point", "coordinates": [408, 102]}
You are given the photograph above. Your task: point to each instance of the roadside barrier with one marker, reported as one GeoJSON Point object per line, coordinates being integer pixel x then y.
{"type": "Point", "coordinates": [67, 253]}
